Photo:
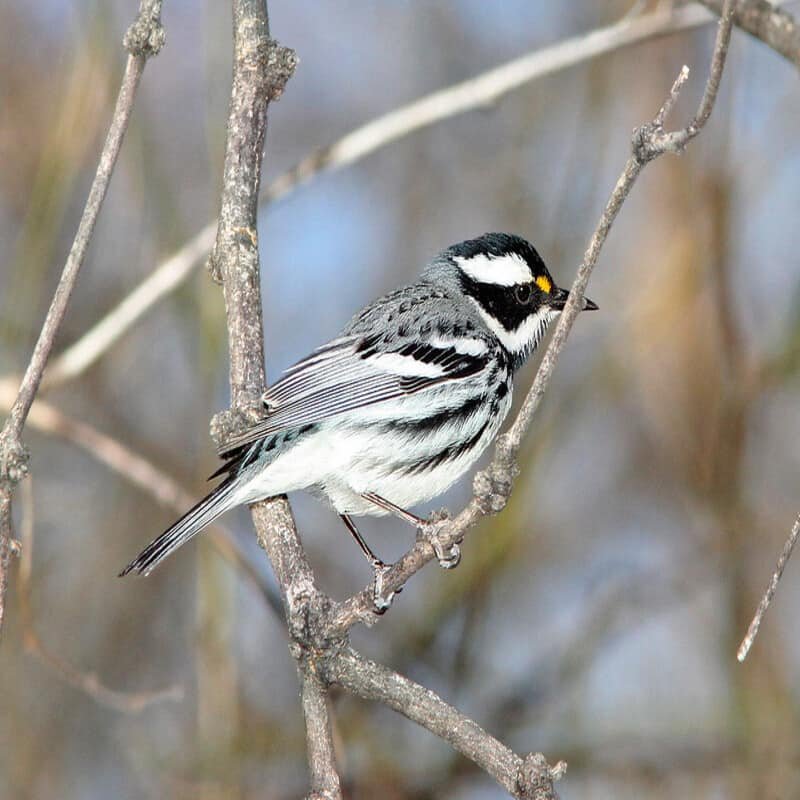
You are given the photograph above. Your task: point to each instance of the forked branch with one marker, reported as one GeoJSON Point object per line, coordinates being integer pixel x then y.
{"type": "Point", "coordinates": [476, 92]}
{"type": "Point", "coordinates": [318, 626]}
{"type": "Point", "coordinates": [520, 777]}
{"type": "Point", "coordinates": [144, 38]}
{"type": "Point", "coordinates": [492, 486]}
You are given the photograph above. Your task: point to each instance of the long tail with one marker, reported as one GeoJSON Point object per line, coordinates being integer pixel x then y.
{"type": "Point", "coordinates": [192, 522]}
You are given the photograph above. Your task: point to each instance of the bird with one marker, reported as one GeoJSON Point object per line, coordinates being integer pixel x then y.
{"type": "Point", "coordinates": [394, 410]}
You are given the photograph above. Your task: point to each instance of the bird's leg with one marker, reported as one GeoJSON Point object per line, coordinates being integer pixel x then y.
{"type": "Point", "coordinates": [382, 502]}
{"type": "Point", "coordinates": [448, 557]}
{"type": "Point", "coordinates": [380, 568]}
{"type": "Point", "coordinates": [374, 561]}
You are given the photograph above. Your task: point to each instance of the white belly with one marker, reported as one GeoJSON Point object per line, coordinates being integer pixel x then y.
{"type": "Point", "coordinates": [340, 463]}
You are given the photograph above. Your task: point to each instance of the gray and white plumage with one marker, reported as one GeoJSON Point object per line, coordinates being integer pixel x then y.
{"type": "Point", "coordinates": [403, 402]}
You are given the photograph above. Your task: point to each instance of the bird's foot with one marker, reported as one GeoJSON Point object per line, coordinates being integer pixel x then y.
{"type": "Point", "coordinates": [448, 557]}
{"type": "Point", "coordinates": [448, 554]}
{"type": "Point", "coordinates": [380, 600]}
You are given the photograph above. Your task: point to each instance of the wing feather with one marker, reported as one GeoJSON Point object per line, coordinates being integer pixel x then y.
{"type": "Point", "coordinates": [350, 373]}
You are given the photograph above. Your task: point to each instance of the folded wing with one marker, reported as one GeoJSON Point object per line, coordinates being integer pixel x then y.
{"type": "Point", "coordinates": [353, 372]}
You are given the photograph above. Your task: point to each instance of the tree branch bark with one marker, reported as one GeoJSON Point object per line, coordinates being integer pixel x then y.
{"type": "Point", "coordinates": [373, 681]}
{"type": "Point", "coordinates": [319, 736]}
{"type": "Point", "coordinates": [318, 627]}
{"type": "Point", "coordinates": [774, 26]}
{"type": "Point", "coordinates": [492, 486]}
{"type": "Point", "coordinates": [769, 593]}
{"type": "Point", "coordinates": [144, 38]}
{"type": "Point", "coordinates": [261, 69]}
{"type": "Point", "coordinates": [476, 92]}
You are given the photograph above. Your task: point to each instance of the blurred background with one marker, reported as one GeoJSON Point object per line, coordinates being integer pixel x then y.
{"type": "Point", "coordinates": [597, 618]}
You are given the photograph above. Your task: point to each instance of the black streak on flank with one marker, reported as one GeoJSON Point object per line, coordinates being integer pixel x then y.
{"type": "Point", "coordinates": [414, 428]}
{"type": "Point", "coordinates": [447, 454]}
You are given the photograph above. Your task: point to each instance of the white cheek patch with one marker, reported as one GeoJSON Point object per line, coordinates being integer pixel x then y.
{"type": "Point", "coordinates": [527, 335]}
{"type": "Point", "coordinates": [507, 270]}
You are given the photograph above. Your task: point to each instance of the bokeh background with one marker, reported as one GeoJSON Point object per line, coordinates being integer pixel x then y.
{"type": "Point", "coordinates": [596, 619]}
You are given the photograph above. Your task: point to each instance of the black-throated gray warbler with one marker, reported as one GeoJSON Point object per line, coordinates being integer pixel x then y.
{"type": "Point", "coordinates": [396, 409]}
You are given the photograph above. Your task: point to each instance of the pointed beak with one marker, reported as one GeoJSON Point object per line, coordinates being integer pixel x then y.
{"type": "Point", "coordinates": [559, 300]}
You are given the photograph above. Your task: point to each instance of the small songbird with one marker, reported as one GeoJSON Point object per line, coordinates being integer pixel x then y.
{"type": "Point", "coordinates": [398, 407]}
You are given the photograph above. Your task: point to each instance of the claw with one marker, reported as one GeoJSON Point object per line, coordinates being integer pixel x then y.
{"type": "Point", "coordinates": [448, 558]}
{"type": "Point", "coordinates": [379, 600]}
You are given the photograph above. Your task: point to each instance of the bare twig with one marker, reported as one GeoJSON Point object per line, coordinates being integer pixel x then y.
{"type": "Point", "coordinates": [317, 626]}
{"type": "Point", "coordinates": [261, 69]}
{"type": "Point", "coordinates": [144, 38]}
{"type": "Point", "coordinates": [521, 777]}
{"type": "Point", "coordinates": [319, 736]}
{"type": "Point", "coordinates": [752, 631]}
{"type": "Point", "coordinates": [483, 89]}
{"type": "Point", "coordinates": [87, 682]}
{"type": "Point", "coordinates": [160, 283]}
{"type": "Point", "coordinates": [492, 486]}
{"type": "Point", "coordinates": [762, 19]}
{"type": "Point", "coordinates": [777, 29]}
{"type": "Point", "coordinates": [137, 470]}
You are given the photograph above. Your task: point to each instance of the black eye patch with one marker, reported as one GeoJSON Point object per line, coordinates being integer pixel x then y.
{"type": "Point", "coordinates": [501, 302]}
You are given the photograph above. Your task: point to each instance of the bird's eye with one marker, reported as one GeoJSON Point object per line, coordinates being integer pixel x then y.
{"type": "Point", "coordinates": [523, 293]}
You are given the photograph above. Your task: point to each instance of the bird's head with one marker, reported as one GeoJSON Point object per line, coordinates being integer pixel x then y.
{"type": "Point", "coordinates": [506, 280]}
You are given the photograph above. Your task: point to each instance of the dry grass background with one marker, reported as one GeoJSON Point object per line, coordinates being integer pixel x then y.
{"type": "Point", "coordinates": [657, 487]}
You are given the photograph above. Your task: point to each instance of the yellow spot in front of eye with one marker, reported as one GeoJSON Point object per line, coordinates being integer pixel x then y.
{"type": "Point", "coordinates": [544, 283]}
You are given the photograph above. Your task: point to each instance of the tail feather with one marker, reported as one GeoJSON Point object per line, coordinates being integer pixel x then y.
{"type": "Point", "coordinates": [191, 523]}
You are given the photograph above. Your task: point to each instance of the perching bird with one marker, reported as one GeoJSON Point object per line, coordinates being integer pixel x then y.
{"type": "Point", "coordinates": [396, 409]}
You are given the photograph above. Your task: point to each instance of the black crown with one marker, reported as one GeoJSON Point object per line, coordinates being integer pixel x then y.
{"type": "Point", "coordinates": [496, 245]}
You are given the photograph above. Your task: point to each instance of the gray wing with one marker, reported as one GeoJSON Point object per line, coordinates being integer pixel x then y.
{"type": "Point", "coordinates": [356, 371]}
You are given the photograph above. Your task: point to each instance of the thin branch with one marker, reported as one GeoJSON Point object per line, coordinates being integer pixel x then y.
{"type": "Point", "coordinates": [160, 283]}
{"type": "Point", "coordinates": [55, 314]}
{"type": "Point", "coordinates": [142, 473]}
{"type": "Point", "coordinates": [752, 631]}
{"type": "Point", "coordinates": [492, 486]}
{"type": "Point", "coordinates": [483, 89]}
{"type": "Point", "coordinates": [521, 777]}
{"type": "Point", "coordinates": [261, 69]}
{"type": "Point", "coordinates": [87, 682]}
{"type": "Point", "coordinates": [318, 628]}
{"type": "Point", "coordinates": [319, 735]}
{"type": "Point", "coordinates": [143, 39]}
{"type": "Point", "coordinates": [777, 29]}
{"type": "Point", "coordinates": [762, 19]}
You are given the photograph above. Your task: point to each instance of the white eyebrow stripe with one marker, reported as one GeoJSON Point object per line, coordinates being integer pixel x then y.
{"type": "Point", "coordinates": [467, 347]}
{"type": "Point", "coordinates": [507, 270]}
